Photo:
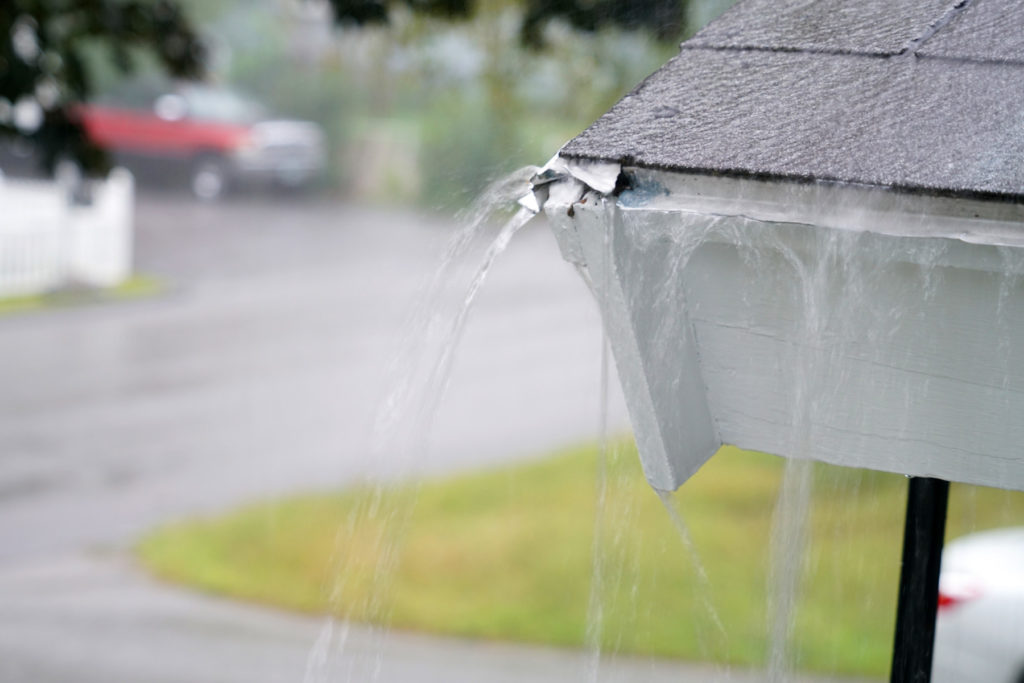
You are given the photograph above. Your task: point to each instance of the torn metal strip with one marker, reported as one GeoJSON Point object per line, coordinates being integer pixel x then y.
{"type": "Point", "coordinates": [564, 181]}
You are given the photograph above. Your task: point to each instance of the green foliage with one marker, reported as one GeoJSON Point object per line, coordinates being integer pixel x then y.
{"type": "Point", "coordinates": [663, 18]}
{"type": "Point", "coordinates": [516, 107]}
{"type": "Point", "coordinates": [263, 64]}
{"type": "Point", "coordinates": [58, 53]}
{"type": "Point", "coordinates": [361, 12]}
{"type": "Point", "coordinates": [43, 60]}
{"type": "Point", "coordinates": [510, 554]}
{"type": "Point", "coordinates": [135, 287]}
{"type": "Point", "coordinates": [465, 146]}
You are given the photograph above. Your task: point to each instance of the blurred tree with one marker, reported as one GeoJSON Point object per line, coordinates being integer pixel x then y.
{"type": "Point", "coordinates": [45, 68]}
{"type": "Point", "coordinates": [377, 11]}
{"type": "Point", "coordinates": [664, 18]}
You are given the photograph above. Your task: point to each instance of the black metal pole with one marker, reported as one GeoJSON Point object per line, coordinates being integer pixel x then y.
{"type": "Point", "coordinates": [918, 599]}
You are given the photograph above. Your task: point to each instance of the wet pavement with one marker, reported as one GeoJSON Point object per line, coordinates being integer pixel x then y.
{"type": "Point", "coordinates": [255, 375]}
{"type": "Point", "coordinates": [96, 619]}
{"type": "Point", "coordinates": [257, 372]}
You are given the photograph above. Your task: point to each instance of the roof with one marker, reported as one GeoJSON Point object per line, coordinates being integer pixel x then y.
{"type": "Point", "coordinates": [917, 95]}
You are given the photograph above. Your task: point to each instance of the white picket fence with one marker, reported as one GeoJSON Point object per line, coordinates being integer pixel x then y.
{"type": "Point", "coordinates": [48, 242]}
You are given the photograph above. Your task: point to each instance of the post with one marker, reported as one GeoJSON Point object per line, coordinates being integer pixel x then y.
{"type": "Point", "coordinates": [919, 580]}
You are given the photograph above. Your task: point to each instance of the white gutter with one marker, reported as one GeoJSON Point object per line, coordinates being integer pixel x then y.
{"type": "Point", "coordinates": [855, 326]}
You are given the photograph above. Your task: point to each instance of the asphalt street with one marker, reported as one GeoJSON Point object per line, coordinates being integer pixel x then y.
{"type": "Point", "coordinates": [96, 619]}
{"type": "Point", "coordinates": [255, 374]}
{"type": "Point", "coordinates": [258, 372]}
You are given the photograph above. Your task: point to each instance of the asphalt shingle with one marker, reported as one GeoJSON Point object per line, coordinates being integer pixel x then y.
{"type": "Point", "coordinates": [876, 27]}
{"type": "Point", "coordinates": [989, 30]}
{"type": "Point", "coordinates": [831, 91]}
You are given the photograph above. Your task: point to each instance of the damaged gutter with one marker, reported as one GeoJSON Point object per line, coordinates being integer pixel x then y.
{"type": "Point", "coordinates": [563, 182]}
{"type": "Point", "coordinates": [618, 224]}
{"type": "Point", "coordinates": [581, 199]}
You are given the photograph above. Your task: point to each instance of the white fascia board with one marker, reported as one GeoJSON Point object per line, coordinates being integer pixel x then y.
{"type": "Point", "coordinates": [829, 205]}
{"type": "Point", "coordinates": [839, 324]}
{"type": "Point", "coordinates": [655, 353]}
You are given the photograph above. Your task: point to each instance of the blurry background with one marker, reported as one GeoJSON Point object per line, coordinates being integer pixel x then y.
{"type": "Point", "coordinates": [216, 328]}
{"type": "Point", "coordinates": [219, 328]}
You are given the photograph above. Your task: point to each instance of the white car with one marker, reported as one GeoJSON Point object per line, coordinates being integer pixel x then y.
{"type": "Point", "coordinates": [980, 629]}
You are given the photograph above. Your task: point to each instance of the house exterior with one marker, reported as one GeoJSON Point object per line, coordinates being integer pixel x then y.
{"type": "Point", "coordinates": [806, 236]}
{"type": "Point", "coordinates": [50, 241]}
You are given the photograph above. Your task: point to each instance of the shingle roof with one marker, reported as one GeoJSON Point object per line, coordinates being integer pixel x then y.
{"type": "Point", "coordinates": [919, 95]}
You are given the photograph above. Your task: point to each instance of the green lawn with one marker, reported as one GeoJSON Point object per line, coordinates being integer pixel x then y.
{"type": "Point", "coordinates": [508, 554]}
{"type": "Point", "coordinates": [136, 286]}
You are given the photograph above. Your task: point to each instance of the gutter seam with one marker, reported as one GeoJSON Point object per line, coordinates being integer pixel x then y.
{"type": "Point", "coordinates": [951, 14]}
{"type": "Point", "coordinates": [904, 53]}
{"type": "Point", "coordinates": [629, 160]}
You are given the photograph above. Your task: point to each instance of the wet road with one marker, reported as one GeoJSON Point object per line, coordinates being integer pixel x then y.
{"type": "Point", "coordinates": [97, 620]}
{"type": "Point", "coordinates": [256, 375]}
{"type": "Point", "coordinates": [258, 372]}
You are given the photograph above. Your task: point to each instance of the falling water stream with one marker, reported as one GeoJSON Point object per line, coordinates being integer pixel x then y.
{"type": "Point", "coordinates": [595, 605]}
{"type": "Point", "coordinates": [858, 295]}
{"type": "Point", "coordinates": [702, 588]}
{"type": "Point", "coordinates": [599, 571]}
{"type": "Point", "coordinates": [420, 373]}
{"type": "Point", "coordinates": [837, 294]}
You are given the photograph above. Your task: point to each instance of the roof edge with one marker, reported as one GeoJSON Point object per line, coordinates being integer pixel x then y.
{"type": "Point", "coordinates": [845, 206]}
{"type": "Point", "coordinates": [627, 160]}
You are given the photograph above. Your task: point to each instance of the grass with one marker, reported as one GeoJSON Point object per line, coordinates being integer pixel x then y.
{"type": "Point", "coordinates": [136, 286]}
{"type": "Point", "coordinates": [509, 554]}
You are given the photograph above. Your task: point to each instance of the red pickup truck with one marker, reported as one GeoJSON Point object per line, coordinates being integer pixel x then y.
{"type": "Point", "coordinates": [213, 137]}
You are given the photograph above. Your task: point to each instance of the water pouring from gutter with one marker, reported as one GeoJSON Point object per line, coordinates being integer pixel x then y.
{"type": "Point", "coordinates": [420, 375]}
{"type": "Point", "coordinates": [787, 261]}
{"type": "Point", "coordinates": [845, 305]}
